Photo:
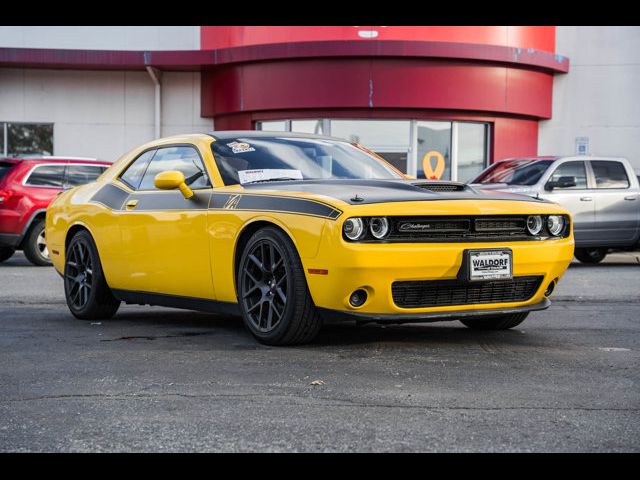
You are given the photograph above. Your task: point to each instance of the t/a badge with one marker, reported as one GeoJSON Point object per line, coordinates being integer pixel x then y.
{"type": "Point", "coordinates": [491, 264]}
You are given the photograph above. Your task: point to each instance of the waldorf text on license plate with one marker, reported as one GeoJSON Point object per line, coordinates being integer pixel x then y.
{"type": "Point", "coordinates": [489, 265]}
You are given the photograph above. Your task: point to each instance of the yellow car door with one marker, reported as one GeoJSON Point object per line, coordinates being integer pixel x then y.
{"type": "Point", "coordinates": [164, 244]}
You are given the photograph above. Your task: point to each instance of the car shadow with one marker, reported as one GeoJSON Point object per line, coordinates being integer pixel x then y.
{"type": "Point", "coordinates": [333, 333]}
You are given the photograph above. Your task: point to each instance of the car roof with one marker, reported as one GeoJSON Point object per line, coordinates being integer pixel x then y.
{"type": "Point", "coordinates": [53, 159]}
{"type": "Point", "coordinates": [564, 157]}
{"type": "Point", "coordinates": [233, 134]}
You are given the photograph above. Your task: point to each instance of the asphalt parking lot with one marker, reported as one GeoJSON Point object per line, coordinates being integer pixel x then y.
{"type": "Point", "coordinates": [156, 379]}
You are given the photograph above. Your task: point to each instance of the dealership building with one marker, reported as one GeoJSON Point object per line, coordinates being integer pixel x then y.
{"type": "Point", "coordinates": [437, 102]}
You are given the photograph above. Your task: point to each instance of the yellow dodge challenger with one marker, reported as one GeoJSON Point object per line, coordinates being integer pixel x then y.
{"type": "Point", "coordinates": [287, 230]}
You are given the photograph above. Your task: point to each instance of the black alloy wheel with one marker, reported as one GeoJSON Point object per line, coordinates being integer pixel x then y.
{"type": "Point", "coordinates": [264, 285]}
{"type": "Point", "coordinates": [79, 274]}
{"type": "Point", "coordinates": [273, 296]}
{"type": "Point", "coordinates": [87, 293]}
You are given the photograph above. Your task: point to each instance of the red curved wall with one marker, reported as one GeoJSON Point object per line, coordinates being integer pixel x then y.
{"type": "Point", "coordinates": [536, 37]}
{"type": "Point", "coordinates": [502, 75]}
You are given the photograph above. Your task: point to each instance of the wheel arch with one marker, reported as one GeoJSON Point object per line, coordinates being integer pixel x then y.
{"type": "Point", "coordinates": [39, 214]}
{"type": "Point", "coordinates": [245, 234]}
{"type": "Point", "coordinates": [75, 228]}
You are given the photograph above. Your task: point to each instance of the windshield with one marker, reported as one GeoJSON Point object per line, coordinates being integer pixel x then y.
{"type": "Point", "coordinates": [264, 159]}
{"type": "Point", "coordinates": [519, 171]}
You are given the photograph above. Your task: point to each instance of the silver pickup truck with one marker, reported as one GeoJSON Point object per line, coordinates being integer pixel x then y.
{"type": "Point", "coordinates": [602, 194]}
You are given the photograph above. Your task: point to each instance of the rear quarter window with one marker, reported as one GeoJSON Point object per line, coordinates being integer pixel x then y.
{"type": "Point", "coordinates": [50, 176]}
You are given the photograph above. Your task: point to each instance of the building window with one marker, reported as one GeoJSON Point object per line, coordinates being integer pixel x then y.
{"type": "Point", "coordinates": [442, 150]}
{"type": "Point", "coordinates": [26, 138]}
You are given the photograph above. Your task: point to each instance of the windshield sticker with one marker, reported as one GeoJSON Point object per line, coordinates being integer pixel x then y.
{"type": "Point", "coordinates": [263, 174]}
{"type": "Point", "coordinates": [240, 147]}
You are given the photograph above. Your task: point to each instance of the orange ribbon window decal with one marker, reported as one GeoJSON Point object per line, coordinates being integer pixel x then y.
{"type": "Point", "coordinates": [433, 173]}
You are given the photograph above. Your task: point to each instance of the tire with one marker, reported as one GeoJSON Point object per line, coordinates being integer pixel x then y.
{"type": "Point", "coordinates": [291, 317]}
{"type": "Point", "coordinates": [499, 322]}
{"type": "Point", "coordinates": [6, 253]}
{"type": "Point", "coordinates": [86, 291]}
{"type": "Point", "coordinates": [35, 247]}
{"type": "Point", "coordinates": [591, 255]}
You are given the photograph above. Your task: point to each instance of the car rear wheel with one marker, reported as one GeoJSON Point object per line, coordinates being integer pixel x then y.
{"type": "Point", "coordinates": [87, 293]}
{"type": "Point", "coordinates": [590, 255]}
{"type": "Point", "coordinates": [273, 295]}
{"type": "Point", "coordinates": [499, 322]}
{"type": "Point", "coordinates": [6, 253]}
{"type": "Point", "coordinates": [35, 246]}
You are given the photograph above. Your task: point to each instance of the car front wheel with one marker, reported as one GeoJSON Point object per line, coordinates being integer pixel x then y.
{"type": "Point", "coordinates": [87, 293]}
{"type": "Point", "coordinates": [590, 255]}
{"type": "Point", "coordinates": [498, 322]}
{"type": "Point", "coordinates": [273, 295]}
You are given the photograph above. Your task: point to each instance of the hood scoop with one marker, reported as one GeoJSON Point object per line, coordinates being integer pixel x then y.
{"type": "Point", "coordinates": [441, 186]}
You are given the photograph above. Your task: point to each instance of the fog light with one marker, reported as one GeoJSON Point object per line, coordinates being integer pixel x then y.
{"type": "Point", "coordinates": [358, 298]}
{"type": "Point", "coordinates": [550, 288]}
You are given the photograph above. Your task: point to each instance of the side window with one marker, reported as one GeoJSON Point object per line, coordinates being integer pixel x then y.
{"type": "Point", "coordinates": [183, 159]}
{"type": "Point", "coordinates": [46, 176]}
{"type": "Point", "coordinates": [576, 170]}
{"type": "Point", "coordinates": [81, 174]}
{"type": "Point", "coordinates": [609, 174]}
{"type": "Point", "coordinates": [134, 172]}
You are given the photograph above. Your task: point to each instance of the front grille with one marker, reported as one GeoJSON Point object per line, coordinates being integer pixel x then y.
{"type": "Point", "coordinates": [460, 228]}
{"type": "Point", "coordinates": [444, 293]}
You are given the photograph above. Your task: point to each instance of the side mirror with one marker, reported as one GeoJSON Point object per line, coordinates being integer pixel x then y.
{"type": "Point", "coordinates": [172, 179]}
{"type": "Point", "coordinates": [562, 182]}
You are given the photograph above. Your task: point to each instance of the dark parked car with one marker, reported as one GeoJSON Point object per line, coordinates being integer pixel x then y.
{"type": "Point", "coordinates": [27, 186]}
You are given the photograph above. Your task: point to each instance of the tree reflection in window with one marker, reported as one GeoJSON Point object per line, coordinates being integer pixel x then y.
{"type": "Point", "coordinates": [29, 138]}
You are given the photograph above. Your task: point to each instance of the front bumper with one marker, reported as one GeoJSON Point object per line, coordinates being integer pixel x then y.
{"type": "Point", "coordinates": [375, 267]}
{"type": "Point", "coordinates": [431, 316]}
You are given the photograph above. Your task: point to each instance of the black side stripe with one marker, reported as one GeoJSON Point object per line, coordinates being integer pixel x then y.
{"type": "Point", "coordinates": [114, 197]}
{"type": "Point", "coordinates": [171, 200]}
{"type": "Point", "coordinates": [268, 203]}
{"type": "Point", "coordinates": [111, 196]}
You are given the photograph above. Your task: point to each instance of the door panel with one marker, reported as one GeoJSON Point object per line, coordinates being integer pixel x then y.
{"type": "Point", "coordinates": [165, 245]}
{"type": "Point", "coordinates": [579, 200]}
{"type": "Point", "coordinates": [616, 214]}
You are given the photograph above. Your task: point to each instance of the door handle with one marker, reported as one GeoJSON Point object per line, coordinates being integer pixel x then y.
{"type": "Point", "coordinates": [630, 197]}
{"type": "Point", "coordinates": [585, 199]}
{"type": "Point", "coordinates": [131, 204]}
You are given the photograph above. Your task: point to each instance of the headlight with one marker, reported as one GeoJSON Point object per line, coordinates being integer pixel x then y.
{"type": "Point", "coordinates": [555, 224]}
{"type": "Point", "coordinates": [534, 224]}
{"type": "Point", "coordinates": [353, 228]}
{"type": "Point", "coordinates": [379, 227]}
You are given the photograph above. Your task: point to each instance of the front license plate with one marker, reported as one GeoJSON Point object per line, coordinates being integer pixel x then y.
{"type": "Point", "coordinates": [490, 264]}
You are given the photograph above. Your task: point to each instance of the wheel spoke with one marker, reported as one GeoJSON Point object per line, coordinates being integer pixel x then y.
{"type": "Point", "coordinates": [281, 294]}
{"type": "Point", "coordinates": [258, 263]}
{"type": "Point", "coordinates": [250, 291]}
{"type": "Point", "coordinates": [270, 315]}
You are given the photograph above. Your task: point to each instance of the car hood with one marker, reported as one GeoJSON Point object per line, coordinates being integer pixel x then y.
{"type": "Point", "coordinates": [504, 187]}
{"type": "Point", "coordinates": [362, 192]}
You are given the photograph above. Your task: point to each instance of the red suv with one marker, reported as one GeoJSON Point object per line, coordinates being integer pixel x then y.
{"type": "Point", "coordinates": [27, 186]}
